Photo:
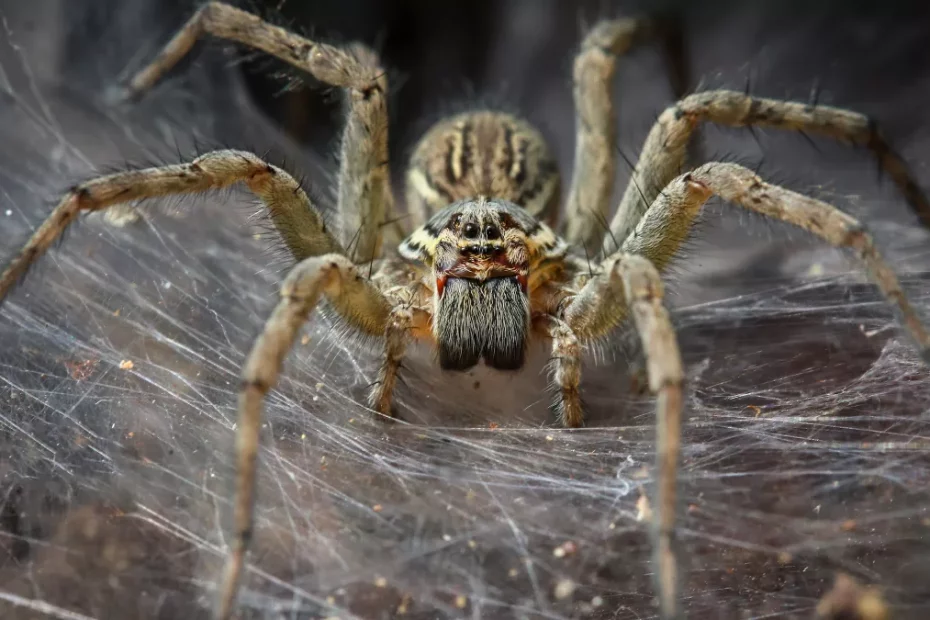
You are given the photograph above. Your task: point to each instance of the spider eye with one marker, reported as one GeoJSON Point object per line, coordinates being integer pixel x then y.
{"type": "Point", "coordinates": [491, 232]}
{"type": "Point", "coordinates": [470, 231]}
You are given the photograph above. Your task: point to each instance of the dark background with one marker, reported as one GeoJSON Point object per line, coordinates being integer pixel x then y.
{"type": "Point", "coordinates": [805, 454]}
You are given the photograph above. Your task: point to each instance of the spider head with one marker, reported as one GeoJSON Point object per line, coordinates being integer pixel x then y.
{"type": "Point", "coordinates": [482, 254]}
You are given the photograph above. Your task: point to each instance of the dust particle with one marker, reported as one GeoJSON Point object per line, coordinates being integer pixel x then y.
{"type": "Point", "coordinates": [564, 589]}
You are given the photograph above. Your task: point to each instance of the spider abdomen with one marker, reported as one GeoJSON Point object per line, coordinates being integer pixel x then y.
{"type": "Point", "coordinates": [483, 153]}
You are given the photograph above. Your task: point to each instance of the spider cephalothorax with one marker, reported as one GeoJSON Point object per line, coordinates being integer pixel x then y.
{"type": "Point", "coordinates": [487, 258]}
{"type": "Point", "coordinates": [483, 272]}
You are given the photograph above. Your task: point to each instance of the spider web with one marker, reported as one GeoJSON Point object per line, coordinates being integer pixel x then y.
{"type": "Point", "coordinates": [806, 451]}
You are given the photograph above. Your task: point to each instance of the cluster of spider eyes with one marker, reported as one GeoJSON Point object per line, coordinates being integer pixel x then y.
{"type": "Point", "coordinates": [470, 231]}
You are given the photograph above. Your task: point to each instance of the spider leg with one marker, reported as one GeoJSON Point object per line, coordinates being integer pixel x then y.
{"type": "Point", "coordinates": [396, 339]}
{"type": "Point", "coordinates": [666, 224]}
{"type": "Point", "coordinates": [336, 277]}
{"type": "Point", "coordinates": [663, 153]}
{"type": "Point", "coordinates": [595, 119]}
{"type": "Point", "coordinates": [596, 126]}
{"type": "Point", "coordinates": [630, 283]}
{"type": "Point", "coordinates": [566, 360]}
{"type": "Point", "coordinates": [365, 200]}
{"type": "Point", "coordinates": [295, 217]}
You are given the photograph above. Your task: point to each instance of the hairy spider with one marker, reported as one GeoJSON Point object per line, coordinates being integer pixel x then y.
{"type": "Point", "coordinates": [484, 273]}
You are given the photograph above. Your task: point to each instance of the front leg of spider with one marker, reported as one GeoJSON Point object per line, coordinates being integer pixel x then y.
{"type": "Point", "coordinates": [667, 223]}
{"type": "Point", "coordinates": [396, 339]}
{"type": "Point", "coordinates": [628, 284]}
{"type": "Point", "coordinates": [332, 276]}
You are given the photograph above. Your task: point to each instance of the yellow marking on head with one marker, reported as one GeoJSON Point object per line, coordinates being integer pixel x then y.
{"type": "Point", "coordinates": [544, 244]}
{"type": "Point", "coordinates": [486, 223]}
{"type": "Point", "coordinates": [420, 245]}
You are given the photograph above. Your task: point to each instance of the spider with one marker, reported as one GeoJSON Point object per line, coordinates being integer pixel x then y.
{"type": "Point", "coordinates": [484, 273]}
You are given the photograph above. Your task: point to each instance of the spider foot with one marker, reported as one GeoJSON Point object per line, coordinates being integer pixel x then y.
{"type": "Point", "coordinates": [380, 401]}
{"type": "Point", "coordinates": [569, 408]}
{"type": "Point", "coordinates": [117, 95]}
{"type": "Point", "coordinates": [387, 415]}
